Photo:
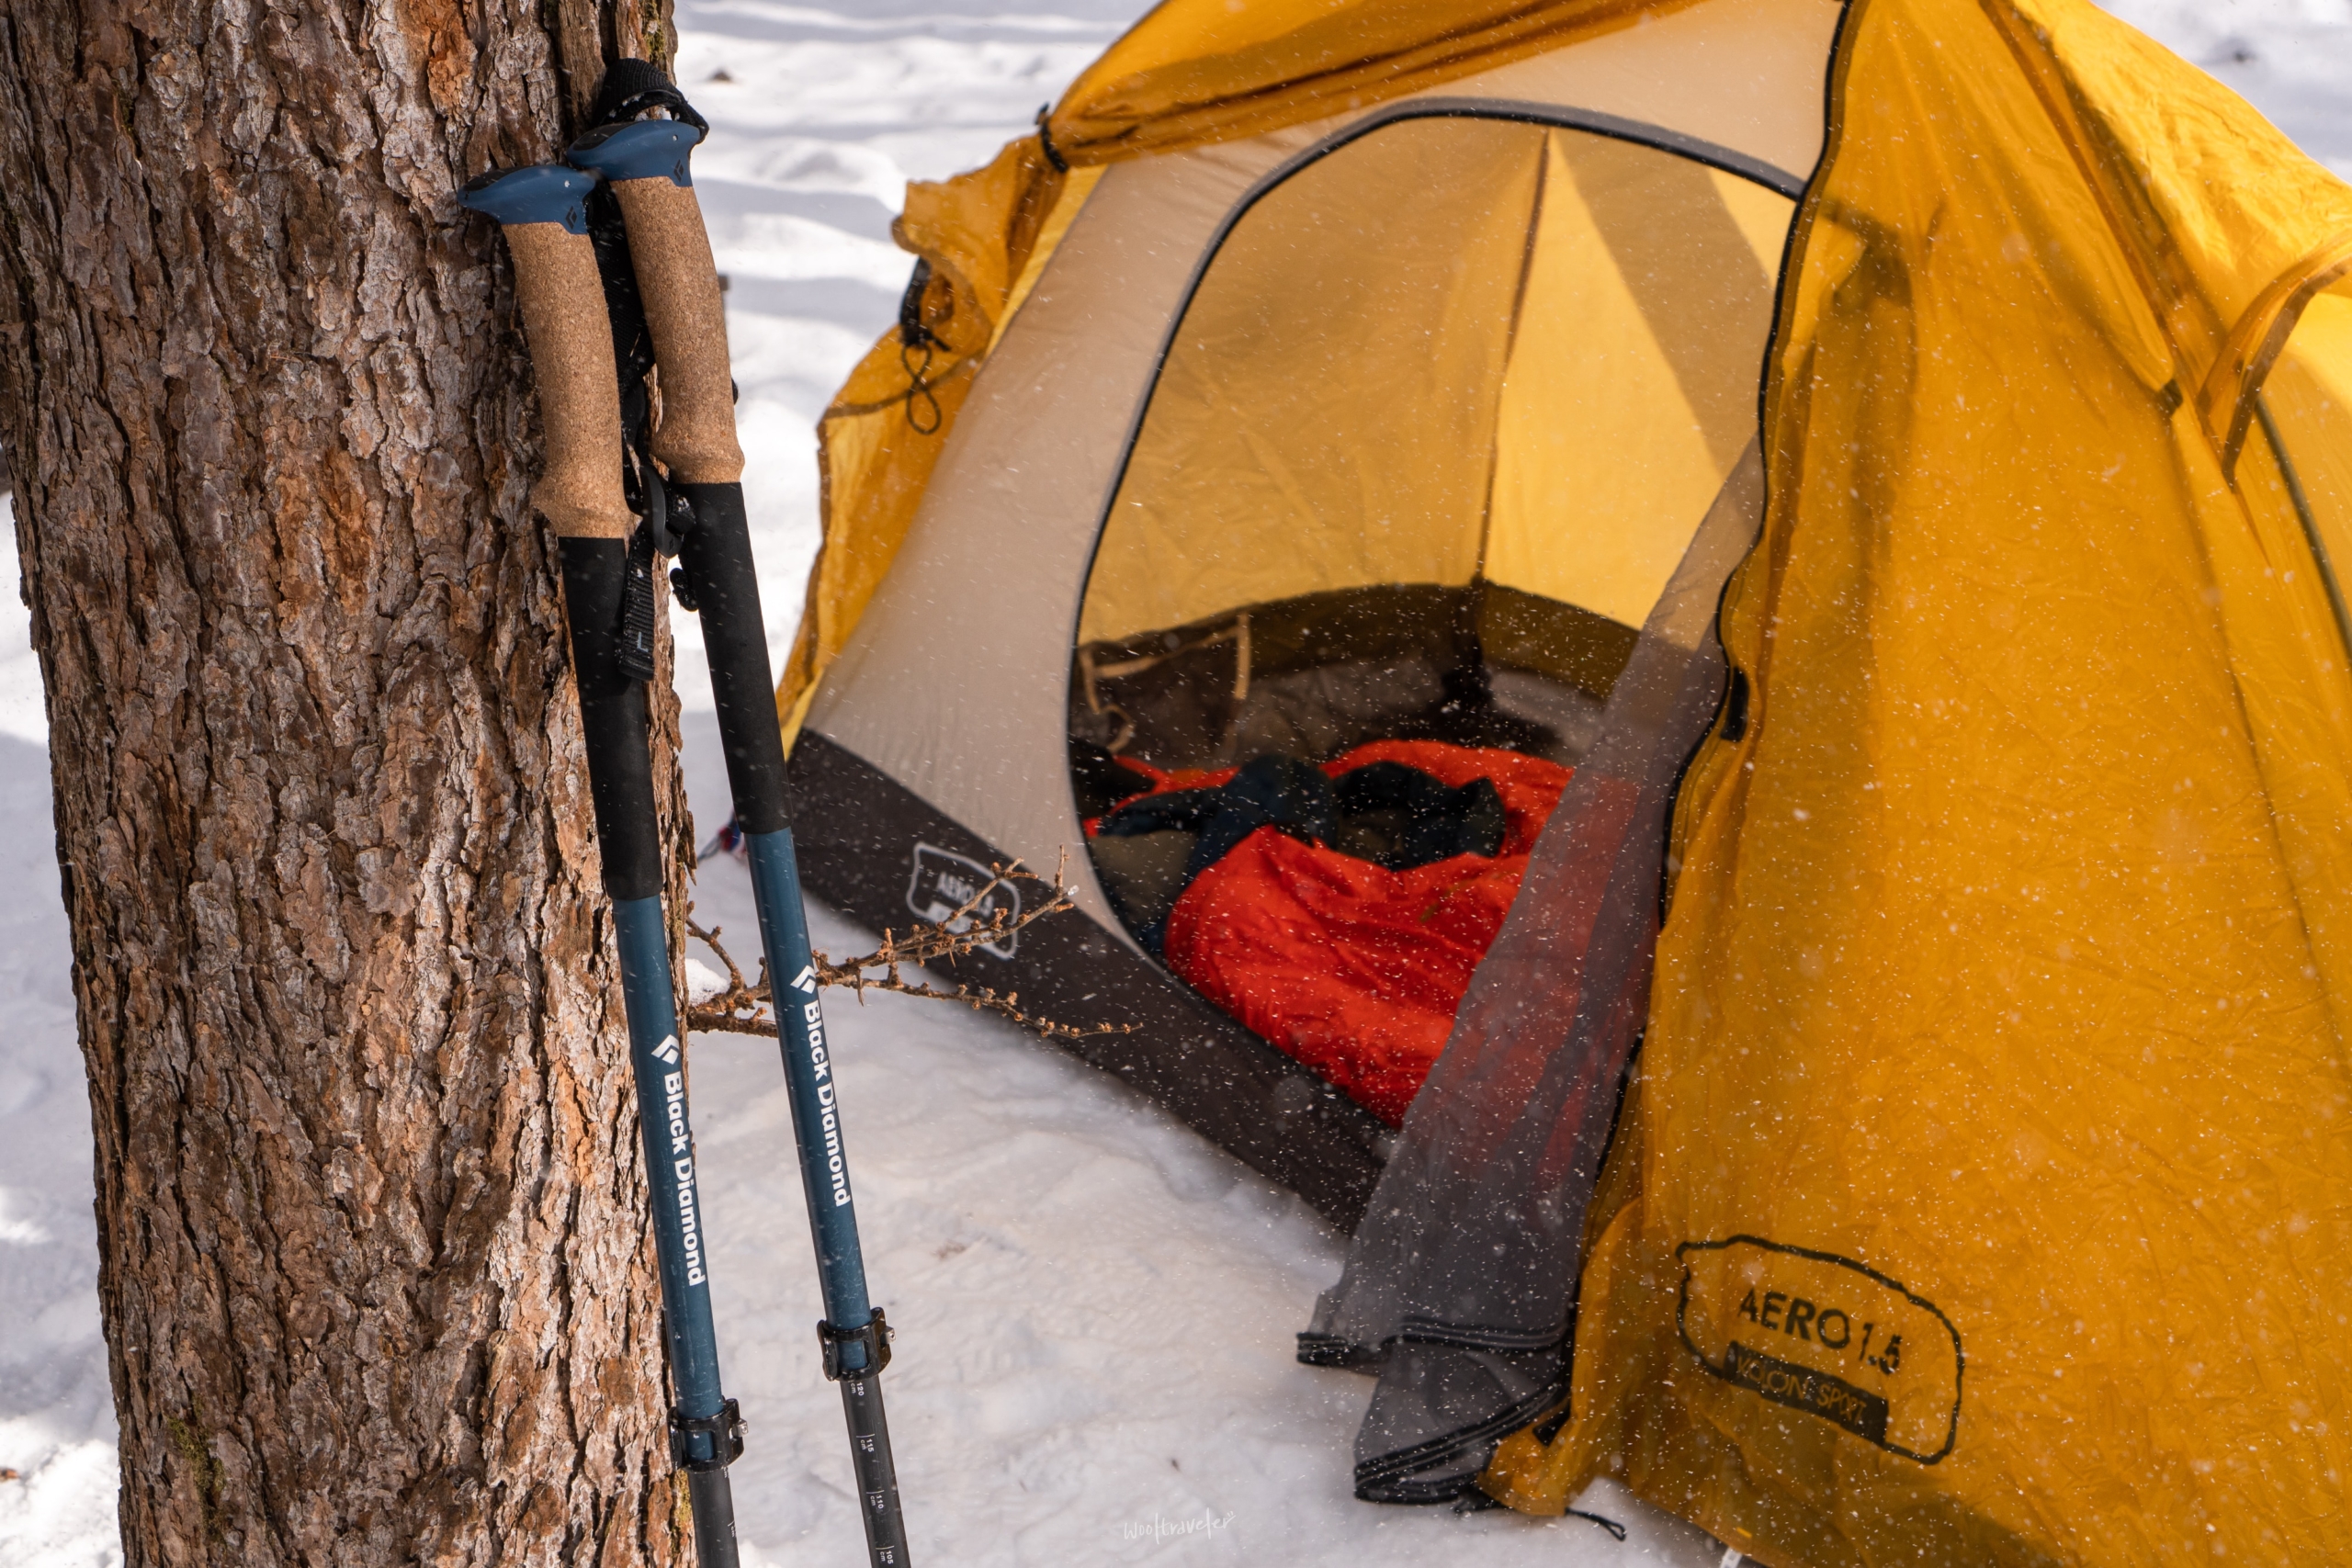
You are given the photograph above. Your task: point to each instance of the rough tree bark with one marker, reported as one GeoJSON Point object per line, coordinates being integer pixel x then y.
{"type": "Point", "coordinates": [376, 1272]}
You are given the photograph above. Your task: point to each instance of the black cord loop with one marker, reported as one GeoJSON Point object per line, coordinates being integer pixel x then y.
{"type": "Point", "coordinates": [1611, 1526]}
{"type": "Point", "coordinates": [919, 390]}
{"type": "Point", "coordinates": [1046, 139]}
{"type": "Point", "coordinates": [914, 338]}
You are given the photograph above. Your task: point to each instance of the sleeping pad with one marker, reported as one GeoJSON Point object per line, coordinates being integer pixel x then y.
{"type": "Point", "coordinates": [1337, 909]}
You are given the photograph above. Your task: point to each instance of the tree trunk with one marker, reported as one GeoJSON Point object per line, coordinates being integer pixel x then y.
{"type": "Point", "coordinates": [376, 1267]}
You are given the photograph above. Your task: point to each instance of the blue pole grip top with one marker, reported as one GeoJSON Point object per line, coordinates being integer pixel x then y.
{"type": "Point", "coordinates": [543, 193]}
{"type": "Point", "coordinates": [639, 150]}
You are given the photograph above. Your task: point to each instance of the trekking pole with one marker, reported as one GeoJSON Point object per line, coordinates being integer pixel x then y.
{"type": "Point", "coordinates": [580, 492]}
{"type": "Point", "coordinates": [645, 162]}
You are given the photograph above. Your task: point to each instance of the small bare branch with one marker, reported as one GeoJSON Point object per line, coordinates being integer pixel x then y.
{"type": "Point", "coordinates": [743, 1008]}
{"type": "Point", "coordinates": [710, 940]}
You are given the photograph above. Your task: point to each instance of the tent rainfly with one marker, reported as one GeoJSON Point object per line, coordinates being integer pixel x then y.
{"type": "Point", "coordinates": [1690, 662]}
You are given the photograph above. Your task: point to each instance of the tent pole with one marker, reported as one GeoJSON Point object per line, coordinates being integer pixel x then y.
{"type": "Point", "coordinates": [2302, 504]}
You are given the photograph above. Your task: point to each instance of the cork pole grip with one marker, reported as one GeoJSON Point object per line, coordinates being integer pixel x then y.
{"type": "Point", "coordinates": [579, 491]}
{"type": "Point", "coordinates": [678, 279]}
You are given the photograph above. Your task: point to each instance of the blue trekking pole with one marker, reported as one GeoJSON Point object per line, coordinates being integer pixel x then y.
{"type": "Point", "coordinates": [645, 164]}
{"type": "Point", "coordinates": [581, 494]}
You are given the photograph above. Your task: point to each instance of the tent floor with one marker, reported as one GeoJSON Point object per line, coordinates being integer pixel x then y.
{"type": "Point", "coordinates": [866, 845]}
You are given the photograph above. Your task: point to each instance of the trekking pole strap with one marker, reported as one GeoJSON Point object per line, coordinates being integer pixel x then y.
{"type": "Point", "coordinates": [615, 722]}
{"type": "Point", "coordinates": [543, 212]}
{"type": "Point", "coordinates": [646, 163]}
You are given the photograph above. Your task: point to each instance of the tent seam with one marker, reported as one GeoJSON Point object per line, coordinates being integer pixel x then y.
{"type": "Point", "coordinates": [1771, 391]}
{"type": "Point", "coordinates": [2165, 304]}
{"type": "Point", "coordinates": [1508, 35]}
{"type": "Point", "coordinates": [1511, 346]}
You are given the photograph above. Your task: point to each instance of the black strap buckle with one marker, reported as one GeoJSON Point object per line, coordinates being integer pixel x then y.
{"type": "Point", "coordinates": [875, 1335]}
{"type": "Point", "coordinates": [725, 1431]}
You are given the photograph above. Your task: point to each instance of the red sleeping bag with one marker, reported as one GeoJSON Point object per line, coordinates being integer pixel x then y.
{"type": "Point", "coordinates": [1353, 969]}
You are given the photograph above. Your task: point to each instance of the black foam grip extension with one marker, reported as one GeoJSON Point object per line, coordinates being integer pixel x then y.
{"type": "Point", "coordinates": [717, 556]}
{"type": "Point", "coordinates": [612, 718]}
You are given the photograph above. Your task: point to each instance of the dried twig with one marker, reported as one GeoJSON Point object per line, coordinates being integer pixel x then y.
{"type": "Point", "coordinates": [747, 1009]}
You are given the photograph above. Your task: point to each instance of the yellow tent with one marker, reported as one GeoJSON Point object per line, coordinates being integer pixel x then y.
{"type": "Point", "coordinates": [1979, 1190]}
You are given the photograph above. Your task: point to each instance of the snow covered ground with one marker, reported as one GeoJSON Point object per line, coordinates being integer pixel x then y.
{"type": "Point", "coordinates": [2291, 59]}
{"type": "Point", "coordinates": [1094, 1308]}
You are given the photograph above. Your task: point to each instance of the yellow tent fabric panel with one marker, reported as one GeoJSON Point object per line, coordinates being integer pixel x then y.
{"type": "Point", "coordinates": [987, 234]}
{"type": "Point", "coordinates": [1633, 375]}
{"type": "Point", "coordinates": [1763, 218]}
{"type": "Point", "coordinates": [1325, 418]}
{"type": "Point", "coordinates": [1192, 71]}
{"type": "Point", "coordinates": [874, 459]}
{"type": "Point", "coordinates": [872, 467]}
{"type": "Point", "coordinates": [1330, 414]}
{"type": "Point", "coordinates": [2272, 565]}
{"type": "Point", "coordinates": [2309, 394]}
{"type": "Point", "coordinates": [2002, 996]}
{"type": "Point", "coordinates": [1067, 203]}
{"type": "Point", "coordinates": [2168, 150]}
